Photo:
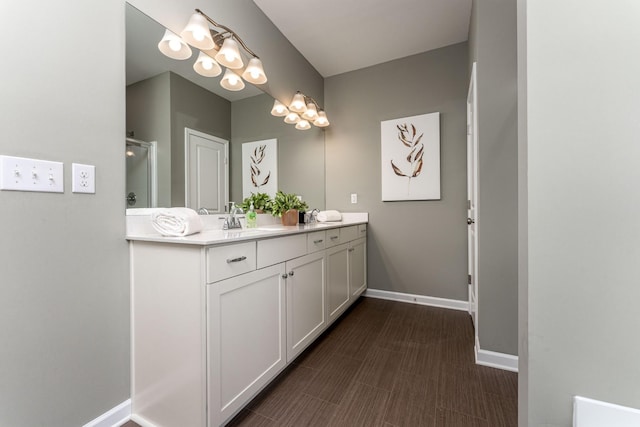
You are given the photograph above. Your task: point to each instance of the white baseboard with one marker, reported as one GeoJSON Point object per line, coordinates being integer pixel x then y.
{"type": "Point", "coordinates": [418, 299]}
{"type": "Point", "coordinates": [595, 413]}
{"type": "Point", "coordinates": [508, 362]}
{"type": "Point", "coordinates": [113, 417]}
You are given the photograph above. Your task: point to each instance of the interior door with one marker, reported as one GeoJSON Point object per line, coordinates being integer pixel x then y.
{"type": "Point", "coordinates": [472, 197]}
{"type": "Point", "coordinates": [206, 171]}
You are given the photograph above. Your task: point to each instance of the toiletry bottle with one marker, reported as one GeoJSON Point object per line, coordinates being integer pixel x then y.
{"type": "Point", "coordinates": [252, 217]}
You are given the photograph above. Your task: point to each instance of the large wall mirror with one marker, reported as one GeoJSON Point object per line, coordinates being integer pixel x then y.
{"type": "Point", "coordinates": [168, 103]}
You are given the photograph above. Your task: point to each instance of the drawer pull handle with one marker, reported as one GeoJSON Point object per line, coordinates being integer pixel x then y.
{"type": "Point", "coordinates": [363, 231]}
{"type": "Point", "coordinates": [334, 237]}
{"type": "Point", "coordinates": [315, 242]}
{"type": "Point", "coordinates": [240, 258]}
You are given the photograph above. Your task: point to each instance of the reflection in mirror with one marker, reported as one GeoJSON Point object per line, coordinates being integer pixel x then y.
{"type": "Point", "coordinates": [165, 96]}
{"type": "Point", "coordinates": [141, 174]}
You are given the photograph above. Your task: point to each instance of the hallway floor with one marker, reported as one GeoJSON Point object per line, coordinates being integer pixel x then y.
{"type": "Point", "coordinates": [389, 364]}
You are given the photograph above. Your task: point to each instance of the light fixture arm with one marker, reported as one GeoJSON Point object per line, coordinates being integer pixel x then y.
{"type": "Point", "coordinates": [229, 31]}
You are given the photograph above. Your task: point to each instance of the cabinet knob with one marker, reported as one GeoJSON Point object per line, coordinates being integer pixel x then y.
{"type": "Point", "coordinates": [351, 249]}
{"type": "Point", "coordinates": [284, 276]}
{"type": "Point", "coordinates": [291, 273]}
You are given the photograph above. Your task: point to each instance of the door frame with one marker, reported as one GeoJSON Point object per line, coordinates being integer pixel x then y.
{"type": "Point", "coordinates": [472, 197]}
{"type": "Point", "coordinates": [187, 133]}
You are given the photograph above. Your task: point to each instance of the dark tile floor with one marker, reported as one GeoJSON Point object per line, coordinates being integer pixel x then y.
{"type": "Point", "coordinates": [389, 364]}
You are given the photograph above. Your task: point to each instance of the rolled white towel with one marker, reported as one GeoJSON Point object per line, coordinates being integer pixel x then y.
{"type": "Point", "coordinates": [176, 222]}
{"type": "Point", "coordinates": [329, 216]}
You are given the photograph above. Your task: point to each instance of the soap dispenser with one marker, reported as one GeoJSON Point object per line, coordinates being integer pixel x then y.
{"type": "Point", "coordinates": [252, 217]}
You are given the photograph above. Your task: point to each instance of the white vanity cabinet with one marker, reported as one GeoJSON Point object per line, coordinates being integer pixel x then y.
{"type": "Point", "coordinates": [214, 323]}
{"type": "Point", "coordinates": [246, 338]}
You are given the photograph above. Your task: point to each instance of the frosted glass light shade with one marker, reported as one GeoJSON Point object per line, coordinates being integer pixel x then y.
{"type": "Point", "coordinates": [232, 81]}
{"type": "Point", "coordinates": [279, 109]}
{"type": "Point", "coordinates": [303, 125]}
{"type": "Point", "coordinates": [229, 55]}
{"type": "Point", "coordinates": [292, 118]}
{"type": "Point", "coordinates": [207, 66]}
{"type": "Point", "coordinates": [197, 32]}
{"type": "Point", "coordinates": [254, 73]}
{"type": "Point", "coordinates": [322, 120]}
{"type": "Point", "coordinates": [311, 114]}
{"type": "Point", "coordinates": [173, 46]}
{"type": "Point", "coordinates": [297, 103]}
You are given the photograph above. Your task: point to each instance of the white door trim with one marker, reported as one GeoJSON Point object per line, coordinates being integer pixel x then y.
{"type": "Point", "coordinates": [472, 194]}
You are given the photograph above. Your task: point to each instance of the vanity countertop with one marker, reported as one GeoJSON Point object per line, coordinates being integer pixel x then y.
{"type": "Point", "coordinates": [216, 236]}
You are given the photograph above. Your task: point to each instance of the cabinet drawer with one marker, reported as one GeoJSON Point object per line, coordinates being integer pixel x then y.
{"type": "Point", "coordinates": [362, 230]}
{"type": "Point", "coordinates": [348, 233]}
{"type": "Point", "coordinates": [231, 260]}
{"type": "Point", "coordinates": [333, 237]}
{"type": "Point", "coordinates": [316, 241]}
{"type": "Point", "coordinates": [280, 249]}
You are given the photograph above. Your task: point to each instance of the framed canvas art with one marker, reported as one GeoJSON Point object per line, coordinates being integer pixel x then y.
{"type": "Point", "coordinates": [410, 155]}
{"type": "Point", "coordinates": [260, 167]}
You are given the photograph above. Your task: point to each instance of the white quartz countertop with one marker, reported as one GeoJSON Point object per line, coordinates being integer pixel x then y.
{"type": "Point", "coordinates": [215, 236]}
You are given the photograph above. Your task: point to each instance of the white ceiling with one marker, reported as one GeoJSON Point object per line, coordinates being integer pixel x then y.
{"type": "Point", "coordinates": [337, 36]}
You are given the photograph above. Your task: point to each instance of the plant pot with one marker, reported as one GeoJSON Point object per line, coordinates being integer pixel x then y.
{"type": "Point", "coordinates": [290, 217]}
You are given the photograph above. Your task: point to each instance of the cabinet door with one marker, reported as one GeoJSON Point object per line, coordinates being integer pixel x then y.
{"type": "Point", "coordinates": [246, 338]}
{"type": "Point", "coordinates": [337, 280]}
{"type": "Point", "coordinates": [357, 267]}
{"type": "Point", "coordinates": [306, 308]}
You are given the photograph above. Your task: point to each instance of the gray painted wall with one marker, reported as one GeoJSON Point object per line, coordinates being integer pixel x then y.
{"type": "Point", "coordinates": [195, 108]}
{"type": "Point", "coordinates": [582, 145]}
{"type": "Point", "coordinates": [64, 292]}
{"type": "Point", "coordinates": [417, 247]}
{"type": "Point", "coordinates": [148, 117]}
{"type": "Point", "coordinates": [492, 39]}
{"type": "Point", "coordinates": [301, 166]}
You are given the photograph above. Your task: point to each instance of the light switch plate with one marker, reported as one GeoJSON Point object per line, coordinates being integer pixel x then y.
{"type": "Point", "coordinates": [23, 174]}
{"type": "Point", "coordinates": [83, 178]}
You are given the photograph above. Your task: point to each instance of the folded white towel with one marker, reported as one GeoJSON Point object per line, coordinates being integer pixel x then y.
{"type": "Point", "coordinates": [176, 222]}
{"type": "Point", "coordinates": [329, 216]}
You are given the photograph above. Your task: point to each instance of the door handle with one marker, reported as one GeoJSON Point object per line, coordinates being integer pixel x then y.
{"type": "Point", "coordinates": [471, 221]}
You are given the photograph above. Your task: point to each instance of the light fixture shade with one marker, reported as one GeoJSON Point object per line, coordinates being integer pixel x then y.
{"type": "Point", "coordinates": [279, 109]}
{"type": "Point", "coordinates": [207, 66]}
{"type": "Point", "coordinates": [197, 32]}
{"type": "Point", "coordinates": [254, 73]}
{"type": "Point", "coordinates": [297, 103]}
{"type": "Point", "coordinates": [232, 81]}
{"type": "Point", "coordinates": [303, 125]}
{"type": "Point", "coordinates": [229, 55]}
{"type": "Point", "coordinates": [292, 118]}
{"type": "Point", "coordinates": [322, 120]}
{"type": "Point", "coordinates": [173, 46]}
{"type": "Point", "coordinates": [311, 114]}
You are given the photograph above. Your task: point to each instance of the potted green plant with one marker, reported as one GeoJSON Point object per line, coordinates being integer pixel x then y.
{"type": "Point", "coordinates": [261, 203]}
{"type": "Point", "coordinates": [287, 206]}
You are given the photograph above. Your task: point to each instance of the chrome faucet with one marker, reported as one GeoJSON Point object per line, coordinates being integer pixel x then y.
{"type": "Point", "coordinates": [313, 216]}
{"type": "Point", "coordinates": [233, 220]}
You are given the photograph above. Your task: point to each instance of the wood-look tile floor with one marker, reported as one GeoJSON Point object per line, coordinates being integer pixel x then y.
{"type": "Point", "coordinates": [388, 364]}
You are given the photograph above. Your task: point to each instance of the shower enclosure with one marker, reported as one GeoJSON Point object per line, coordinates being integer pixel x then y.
{"type": "Point", "coordinates": [141, 186]}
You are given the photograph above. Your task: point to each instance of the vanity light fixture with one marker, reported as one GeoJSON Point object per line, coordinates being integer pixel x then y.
{"type": "Point", "coordinates": [218, 46]}
{"type": "Point", "coordinates": [173, 46]}
{"type": "Point", "coordinates": [279, 109]}
{"type": "Point", "coordinates": [303, 110]}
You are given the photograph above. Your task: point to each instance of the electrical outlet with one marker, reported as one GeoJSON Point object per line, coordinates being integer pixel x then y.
{"type": "Point", "coordinates": [83, 178]}
{"type": "Point", "coordinates": [354, 198]}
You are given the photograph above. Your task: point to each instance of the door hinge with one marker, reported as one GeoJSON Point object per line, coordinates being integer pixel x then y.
{"type": "Point", "coordinates": [469, 279]}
